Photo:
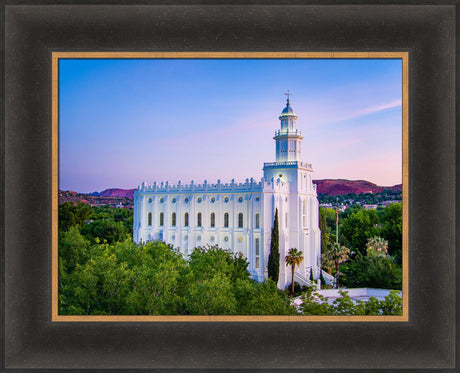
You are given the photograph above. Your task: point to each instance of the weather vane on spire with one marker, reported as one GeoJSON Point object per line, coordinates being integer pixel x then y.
{"type": "Point", "coordinates": [288, 94]}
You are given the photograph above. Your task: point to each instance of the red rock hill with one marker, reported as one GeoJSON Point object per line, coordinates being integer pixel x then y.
{"type": "Point", "coordinates": [336, 187]}
{"type": "Point", "coordinates": [115, 192]}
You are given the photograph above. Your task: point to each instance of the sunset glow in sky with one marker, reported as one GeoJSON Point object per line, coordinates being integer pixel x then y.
{"type": "Point", "coordinates": [122, 122]}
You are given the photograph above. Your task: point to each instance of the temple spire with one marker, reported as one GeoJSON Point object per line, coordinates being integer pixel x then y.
{"type": "Point", "coordinates": [288, 138]}
{"type": "Point", "coordinates": [288, 94]}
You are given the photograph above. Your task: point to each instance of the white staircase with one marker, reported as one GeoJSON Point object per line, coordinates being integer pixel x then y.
{"type": "Point", "coordinates": [329, 279]}
{"type": "Point", "coordinates": [301, 280]}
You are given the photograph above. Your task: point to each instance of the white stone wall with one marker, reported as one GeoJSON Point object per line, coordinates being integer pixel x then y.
{"type": "Point", "coordinates": [233, 199]}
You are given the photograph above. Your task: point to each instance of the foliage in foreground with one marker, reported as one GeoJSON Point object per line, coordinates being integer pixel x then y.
{"type": "Point", "coordinates": [316, 304]}
{"type": "Point", "coordinates": [124, 278]}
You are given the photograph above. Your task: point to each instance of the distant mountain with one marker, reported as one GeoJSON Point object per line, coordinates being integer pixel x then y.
{"type": "Point", "coordinates": [338, 187]}
{"type": "Point", "coordinates": [116, 192]}
{"type": "Point", "coordinates": [109, 197]}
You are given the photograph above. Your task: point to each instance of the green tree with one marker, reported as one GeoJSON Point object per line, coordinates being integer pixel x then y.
{"type": "Point", "coordinates": [391, 220]}
{"type": "Point", "coordinates": [157, 272]}
{"type": "Point", "coordinates": [356, 228]}
{"type": "Point", "coordinates": [116, 214]}
{"type": "Point", "coordinates": [327, 262]}
{"type": "Point", "coordinates": [245, 296]}
{"type": "Point", "coordinates": [337, 254]}
{"type": "Point", "coordinates": [353, 209]}
{"type": "Point", "coordinates": [293, 259]}
{"type": "Point", "coordinates": [206, 262]}
{"type": "Point", "coordinates": [372, 272]}
{"type": "Point", "coordinates": [73, 215]}
{"type": "Point", "coordinates": [331, 220]}
{"type": "Point", "coordinates": [324, 229]}
{"type": "Point", "coordinates": [73, 249]}
{"type": "Point", "coordinates": [274, 256]}
{"type": "Point", "coordinates": [124, 278]}
{"type": "Point", "coordinates": [262, 298]}
{"type": "Point", "coordinates": [210, 296]}
{"type": "Point", "coordinates": [105, 230]}
{"type": "Point", "coordinates": [323, 281]}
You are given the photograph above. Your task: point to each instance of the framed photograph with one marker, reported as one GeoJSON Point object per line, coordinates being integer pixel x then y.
{"type": "Point", "coordinates": [52, 54]}
{"type": "Point", "coordinates": [364, 136]}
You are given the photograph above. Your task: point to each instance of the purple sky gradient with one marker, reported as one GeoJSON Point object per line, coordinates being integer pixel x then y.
{"type": "Point", "coordinates": [123, 122]}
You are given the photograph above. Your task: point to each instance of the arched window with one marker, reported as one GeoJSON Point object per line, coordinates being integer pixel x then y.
{"type": "Point", "coordinates": [257, 221]}
{"type": "Point", "coordinates": [149, 218]}
{"type": "Point", "coordinates": [186, 219]}
{"type": "Point", "coordinates": [226, 220]}
{"type": "Point", "coordinates": [198, 219]}
{"type": "Point", "coordinates": [213, 219]}
{"type": "Point", "coordinates": [286, 219]}
{"type": "Point", "coordinates": [173, 219]}
{"type": "Point", "coordinates": [162, 217]}
{"type": "Point", "coordinates": [240, 220]}
{"type": "Point", "coordinates": [257, 253]}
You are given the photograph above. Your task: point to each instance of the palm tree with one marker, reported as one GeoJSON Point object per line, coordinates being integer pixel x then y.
{"type": "Point", "coordinates": [337, 254]}
{"type": "Point", "coordinates": [377, 247]}
{"type": "Point", "coordinates": [294, 258]}
{"type": "Point", "coordinates": [326, 262]}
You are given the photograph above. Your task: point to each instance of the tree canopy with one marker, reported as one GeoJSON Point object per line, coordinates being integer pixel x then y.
{"type": "Point", "coordinates": [356, 228]}
{"type": "Point", "coordinates": [123, 278]}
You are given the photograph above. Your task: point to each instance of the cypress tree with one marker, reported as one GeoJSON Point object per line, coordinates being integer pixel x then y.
{"type": "Point", "coordinates": [323, 229]}
{"type": "Point", "coordinates": [274, 257]}
{"type": "Point", "coordinates": [323, 281]}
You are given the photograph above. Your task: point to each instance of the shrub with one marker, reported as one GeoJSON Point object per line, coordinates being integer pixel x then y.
{"type": "Point", "coordinates": [372, 272]}
{"type": "Point", "coordinates": [297, 289]}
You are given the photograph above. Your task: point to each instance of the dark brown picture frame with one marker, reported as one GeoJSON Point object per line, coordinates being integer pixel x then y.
{"type": "Point", "coordinates": [32, 32]}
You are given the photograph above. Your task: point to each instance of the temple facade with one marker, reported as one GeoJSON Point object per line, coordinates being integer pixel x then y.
{"type": "Point", "coordinates": [240, 216]}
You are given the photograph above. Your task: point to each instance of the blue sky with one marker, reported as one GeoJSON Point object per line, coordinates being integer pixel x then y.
{"type": "Point", "coordinates": [125, 121]}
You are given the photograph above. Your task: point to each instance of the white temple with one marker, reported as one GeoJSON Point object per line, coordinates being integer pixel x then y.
{"type": "Point", "coordinates": [239, 216]}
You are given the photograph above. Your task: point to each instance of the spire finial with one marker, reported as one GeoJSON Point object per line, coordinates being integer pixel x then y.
{"type": "Point", "coordinates": [288, 94]}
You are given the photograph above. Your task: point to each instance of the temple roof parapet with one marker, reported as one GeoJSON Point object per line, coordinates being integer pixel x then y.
{"type": "Point", "coordinates": [249, 186]}
{"type": "Point", "coordinates": [164, 187]}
